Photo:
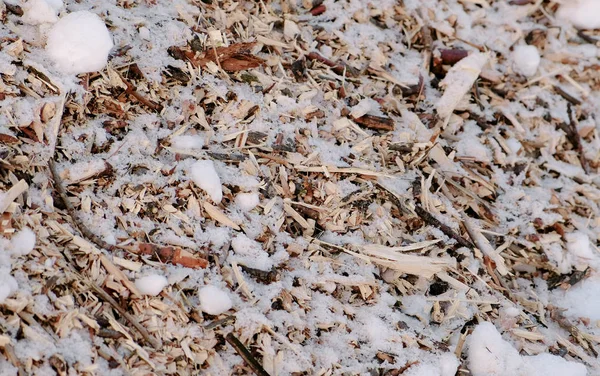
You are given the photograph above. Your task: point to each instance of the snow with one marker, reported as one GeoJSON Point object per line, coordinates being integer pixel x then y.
{"type": "Point", "coordinates": [8, 285]}
{"type": "Point", "coordinates": [20, 244]}
{"type": "Point", "coordinates": [187, 142]}
{"type": "Point", "coordinates": [526, 60]}
{"type": "Point", "coordinates": [37, 12]}
{"type": "Point", "coordinates": [205, 176]}
{"type": "Point", "coordinates": [583, 14]}
{"type": "Point", "coordinates": [580, 250]}
{"type": "Point", "coordinates": [23, 242]}
{"type": "Point", "coordinates": [247, 201]}
{"type": "Point", "coordinates": [151, 284]}
{"type": "Point", "coordinates": [213, 300]}
{"type": "Point", "coordinates": [585, 292]}
{"type": "Point", "coordinates": [79, 43]}
{"type": "Point", "coordinates": [328, 311]}
{"type": "Point", "coordinates": [490, 355]}
{"type": "Point", "coordinates": [250, 253]}
{"type": "Point", "coordinates": [365, 106]}
{"type": "Point", "coordinates": [446, 365]}
{"type": "Point", "coordinates": [144, 33]}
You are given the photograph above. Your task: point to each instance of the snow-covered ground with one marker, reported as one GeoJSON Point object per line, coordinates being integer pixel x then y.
{"type": "Point", "coordinates": [347, 187]}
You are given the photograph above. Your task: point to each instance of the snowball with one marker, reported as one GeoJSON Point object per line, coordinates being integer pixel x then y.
{"type": "Point", "coordinates": [583, 14]}
{"type": "Point", "coordinates": [187, 142]}
{"type": "Point", "coordinates": [205, 176]}
{"type": "Point", "coordinates": [213, 300]}
{"type": "Point", "coordinates": [526, 60]}
{"type": "Point", "coordinates": [37, 12]}
{"type": "Point", "coordinates": [79, 43]}
{"type": "Point", "coordinates": [151, 284]}
{"type": "Point", "coordinates": [144, 33]}
{"type": "Point", "coordinates": [8, 285]}
{"type": "Point", "coordinates": [23, 242]}
{"type": "Point", "coordinates": [247, 201]}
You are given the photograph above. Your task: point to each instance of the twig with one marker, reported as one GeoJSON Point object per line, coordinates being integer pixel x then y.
{"type": "Point", "coordinates": [571, 99]}
{"type": "Point", "coordinates": [219, 322]}
{"type": "Point", "coordinates": [60, 188]}
{"type": "Point", "coordinates": [587, 38]}
{"type": "Point", "coordinates": [109, 299]}
{"type": "Point", "coordinates": [143, 100]}
{"type": "Point", "coordinates": [428, 218]}
{"type": "Point", "coordinates": [246, 355]}
{"type": "Point", "coordinates": [573, 136]}
{"type": "Point", "coordinates": [337, 68]}
{"type": "Point", "coordinates": [432, 221]}
{"type": "Point", "coordinates": [14, 9]}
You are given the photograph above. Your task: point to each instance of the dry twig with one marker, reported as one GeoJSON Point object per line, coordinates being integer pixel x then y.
{"type": "Point", "coordinates": [246, 355]}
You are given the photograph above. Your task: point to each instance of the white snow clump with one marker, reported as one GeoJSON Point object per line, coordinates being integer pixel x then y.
{"type": "Point", "coordinates": [79, 43]}
{"type": "Point", "coordinates": [526, 60]}
{"type": "Point", "coordinates": [205, 176]}
{"type": "Point", "coordinates": [187, 142]}
{"type": "Point", "coordinates": [23, 242]}
{"type": "Point", "coordinates": [37, 12]}
{"type": "Point", "coordinates": [151, 284]}
{"type": "Point", "coordinates": [247, 201]}
{"type": "Point", "coordinates": [583, 14]}
{"type": "Point", "coordinates": [213, 300]}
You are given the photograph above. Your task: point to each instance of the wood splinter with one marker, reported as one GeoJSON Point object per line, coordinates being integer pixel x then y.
{"type": "Point", "coordinates": [246, 355]}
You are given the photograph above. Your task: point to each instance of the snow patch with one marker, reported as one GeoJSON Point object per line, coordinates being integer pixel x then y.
{"type": "Point", "coordinates": [490, 355]}
{"type": "Point", "coordinates": [250, 253]}
{"type": "Point", "coordinates": [580, 250]}
{"type": "Point", "coordinates": [247, 201]}
{"type": "Point", "coordinates": [572, 299]}
{"type": "Point", "coordinates": [187, 142]}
